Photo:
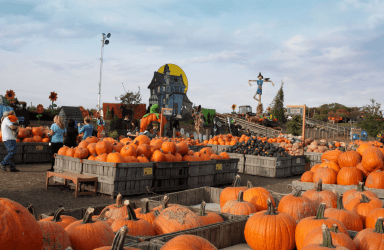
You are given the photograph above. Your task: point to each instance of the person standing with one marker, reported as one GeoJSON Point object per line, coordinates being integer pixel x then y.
{"type": "Point", "coordinates": [9, 140]}
{"type": "Point", "coordinates": [125, 124]}
{"type": "Point", "coordinates": [71, 134]}
{"type": "Point", "coordinates": [87, 128]}
{"type": "Point", "coordinates": [56, 132]}
{"type": "Point", "coordinates": [100, 127]}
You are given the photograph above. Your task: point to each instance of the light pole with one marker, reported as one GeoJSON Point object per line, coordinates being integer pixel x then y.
{"type": "Point", "coordinates": [103, 42]}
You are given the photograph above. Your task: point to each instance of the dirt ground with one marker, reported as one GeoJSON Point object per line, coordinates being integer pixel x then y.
{"type": "Point", "coordinates": [28, 187]}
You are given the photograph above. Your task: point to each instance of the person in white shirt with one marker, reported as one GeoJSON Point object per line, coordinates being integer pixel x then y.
{"type": "Point", "coordinates": [9, 140]}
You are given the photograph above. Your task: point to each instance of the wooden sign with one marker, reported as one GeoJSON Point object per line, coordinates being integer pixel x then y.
{"type": "Point", "coordinates": [299, 110]}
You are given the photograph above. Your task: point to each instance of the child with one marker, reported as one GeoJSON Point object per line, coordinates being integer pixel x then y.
{"type": "Point", "coordinates": [87, 129]}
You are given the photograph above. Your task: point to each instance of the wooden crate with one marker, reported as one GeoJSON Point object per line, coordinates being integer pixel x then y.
{"type": "Point", "coordinates": [241, 163]}
{"type": "Point", "coordinates": [213, 146]}
{"type": "Point", "coordinates": [314, 158]}
{"type": "Point", "coordinates": [37, 158]}
{"type": "Point", "coordinates": [201, 173]}
{"type": "Point", "coordinates": [225, 171]}
{"type": "Point", "coordinates": [124, 178]}
{"type": "Point", "coordinates": [170, 176]}
{"type": "Point", "coordinates": [68, 164]}
{"type": "Point", "coordinates": [146, 245]}
{"type": "Point", "coordinates": [341, 189]}
{"type": "Point", "coordinates": [36, 148]}
{"type": "Point", "coordinates": [220, 148]}
{"type": "Point", "coordinates": [298, 164]}
{"type": "Point", "coordinates": [196, 148]}
{"type": "Point", "coordinates": [268, 166]}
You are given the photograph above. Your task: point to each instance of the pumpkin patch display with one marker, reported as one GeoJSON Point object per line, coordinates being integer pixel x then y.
{"type": "Point", "coordinates": [349, 176]}
{"type": "Point", "coordinates": [371, 238]}
{"type": "Point", "coordinates": [239, 206]}
{"type": "Point", "coordinates": [297, 206]}
{"type": "Point", "coordinates": [264, 229]}
{"type": "Point", "coordinates": [258, 196]}
{"type": "Point", "coordinates": [326, 174]}
{"type": "Point", "coordinates": [324, 238]}
{"type": "Point", "coordinates": [350, 219]}
{"type": "Point", "coordinates": [231, 193]}
{"type": "Point", "coordinates": [209, 218]}
{"type": "Point", "coordinates": [97, 233]}
{"type": "Point", "coordinates": [318, 195]}
{"type": "Point", "coordinates": [62, 220]}
{"type": "Point", "coordinates": [307, 224]}
{"type": "Point", "coordinates": [362, 206]}
{"type": "Point", "coordinates": [117, 210]}
{"type": "Point", "coordinates": [349, 159]}
{"type": "Point", "coordinates": [188, 242]}
{"type": "Point", "coordinates": [136, 227]}
{"type": "Point", "coordinates": [20, 229]}
{"type": "Point", "coordinates": [375, 180]}
{"type": "Point", "coordinates": [356, 193]}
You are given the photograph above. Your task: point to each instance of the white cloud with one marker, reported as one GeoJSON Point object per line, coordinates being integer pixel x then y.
{"type": "Point", "coordinates": [152, 49]}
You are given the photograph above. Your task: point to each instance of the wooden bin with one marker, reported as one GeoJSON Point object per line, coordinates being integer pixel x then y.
{"type": "Point", "coordinates": [201, 173]}
{"type": "Point", "coordinates": [213, 146]}
{"type": "Point", "coordinates": [170, 176]}
{"type": "Point", "coordinates": [225, 171]}
{"type": "Point", "coordinates": [223, 234]}
{"type": "Point", "coordinates": [298, 164]}
{"type": "Point", "coordinates": [220, 148]}
{"type": "Point", "coordinates": [37, 152]}
{"type": "Point", "coordinates": [268, 166]}
{"type": "Point", "coordinates": [68, 164]}
{"type": "Point", "coordinates": [241, 163]}
{"type": "Point", "coordinates": [314, 158]}
{"type": "Point", "coordinates": [19, 152]}
{"type": "Point", "coordinates": [124, 178]}
{"type": "Point", "coordinates": [196, 148]}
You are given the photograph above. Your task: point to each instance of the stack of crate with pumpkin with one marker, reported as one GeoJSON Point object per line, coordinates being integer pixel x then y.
{"type": "Point", "coordinates": [314, 219]}
{"type": "Point", "coordinates": [350, 167]}
{"type": "Point", "coordinates": [31, 134]}
{"type": "Point", "coordinates": [141, 149]}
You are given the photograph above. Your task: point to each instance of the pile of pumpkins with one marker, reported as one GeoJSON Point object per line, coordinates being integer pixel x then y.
{"type": "Point", "coordinates": [141, 149]}
{"type": "Point", "coordinates": [314, 219]}
{"type": "Point", "coordinates": [31, 134]}
{"type": "Point", "coordinates": [350, 167]}
{"type": "Point", "coordinates": [23, 230]}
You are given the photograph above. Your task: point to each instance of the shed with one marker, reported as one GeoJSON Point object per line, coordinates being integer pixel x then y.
{"type": "Point", "coordinates": [68, 112]}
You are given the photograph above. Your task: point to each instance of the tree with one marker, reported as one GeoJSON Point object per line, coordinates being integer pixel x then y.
{"type": "Point", "coordinates": [278, 105]}
{"type": "Point", "coordinates": [373, 119]}
{"type": "Point", "coordinates": [130, 99]}
{"type": "Point", "coordinates": [294, 126]}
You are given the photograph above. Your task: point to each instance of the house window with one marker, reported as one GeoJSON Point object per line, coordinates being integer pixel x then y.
{"type": "Point", "coordinates": [163, 101]}
{"type": "Point", "coordinates": [163, 88]}
{"type": "Point", "coordinates": [153, 91]}
{"type": "Point", "coordinates": [175, 79]}
{"type": "Point", "coordinates": [158, 89]}
{"type": "Point", "coordinates": [167, 96]}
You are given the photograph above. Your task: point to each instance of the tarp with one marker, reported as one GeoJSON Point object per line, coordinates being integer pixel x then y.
{"type": "Point", "coordinates": [4, 108]}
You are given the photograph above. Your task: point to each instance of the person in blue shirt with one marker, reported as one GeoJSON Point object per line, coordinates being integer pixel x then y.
{"type": "Point", "coordinates": [87, 129]}
{"type": "Point", "coordinates": [57, 133]}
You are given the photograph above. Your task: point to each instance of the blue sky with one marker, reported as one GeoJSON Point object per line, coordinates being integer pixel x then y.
{"type": "Point", "coordinates": [325, 51]}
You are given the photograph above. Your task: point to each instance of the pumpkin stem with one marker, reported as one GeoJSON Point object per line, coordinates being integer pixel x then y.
{"type": "Point", "coordinates": [119, 202]}
{"type": "Point", "coordinates": [144, 208]}
{"type": "Point", "coordinates": [340, 205]}
{"type": "Point", "coordinates": [297, 191]}
{"type": "Point", "coordinates": [364, 199]}
{"type": "Point", "coordinates": [334, 228]}
{"type": "Point", "coordinates": [102, 214]}
{"type": "Point", "coordinates": [360, 187]}
{"type": "Point", "coordinates": [56, 216]}
{"type": "Point", "coordinates": [379, 226]}
{"type": "Point", "coordinates": [31, 209]}
{"type": "Point", "coordinates": [131, 212]}
{"type": "Point", "coordinates": [237, 181]}
{"type": "Point", "coordinates": [240, 196]}
{"type": "Point", "coordinates": [271, 209]}
{"type": "Point", "coordinates": [88, 216]}
{"type": "Point", "coordinates": [320, 212]}
{"type": "Point", "coordinates": [202, 209]}
{"type": "Point", "coordinates": [327, 238]}
{"type": "Point", "coordinates": [319, 185]}
{"type": "Point", "coordinates": [165, 203]}
{"type": "Point", "coordinates": [249, 184]}
{"type": "Point", "coordinates": [118, 241]}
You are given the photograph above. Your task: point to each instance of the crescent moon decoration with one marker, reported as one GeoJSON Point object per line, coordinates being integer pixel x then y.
{"type": "Point", "coordinates": [175, 71]}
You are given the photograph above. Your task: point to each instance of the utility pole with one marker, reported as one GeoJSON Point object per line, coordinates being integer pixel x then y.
{"type": "Point", "coordinates": [103, 42]}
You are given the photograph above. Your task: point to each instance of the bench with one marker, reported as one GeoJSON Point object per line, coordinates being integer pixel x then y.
{"type": "Point", "coordinates": [76, 178]}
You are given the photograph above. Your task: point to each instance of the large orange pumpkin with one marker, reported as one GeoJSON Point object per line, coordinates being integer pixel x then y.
{"type": "Point", "coordinates": [371, 238]}
{"type": "Point", "coordinates": [349, 159]}
{"type": "Point", "coordinates": [103, 147]}
{"type": "Point", "coordinates": [230, 193]}
{"type": "Point", "coordinates": [318, 195]}
{"type": "Point", "coordinates": [331, 155]}
{"type": "Point", "coordinates": [142, 139]}
{"type": "Point", "coordinates": [188, 242]}
{"type": "Point", "coordinates": [372, 159]}
{"type": "Point", "coordinates": [375, 180]}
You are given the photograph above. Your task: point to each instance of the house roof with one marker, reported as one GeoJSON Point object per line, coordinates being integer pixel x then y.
{"type": "Point", "coordinates": [70, 111]}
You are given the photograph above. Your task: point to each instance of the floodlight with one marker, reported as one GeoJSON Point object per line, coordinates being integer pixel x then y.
{"type": "Point", "coordinates": [109, 35]}
{"type": "Point", "coordinates": [106, 42]}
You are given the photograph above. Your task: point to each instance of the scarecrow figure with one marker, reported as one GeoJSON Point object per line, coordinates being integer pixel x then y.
{"type": "Point", "coordinates": [260, 86]}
